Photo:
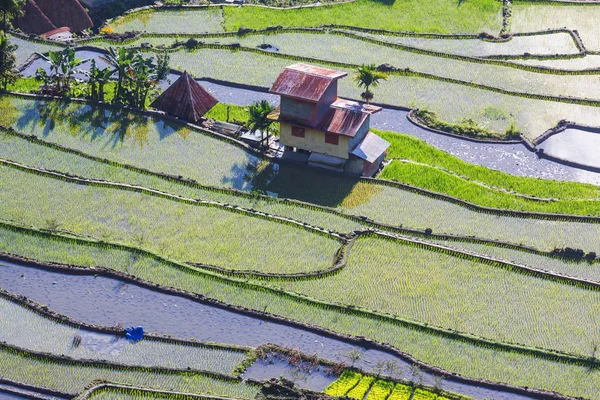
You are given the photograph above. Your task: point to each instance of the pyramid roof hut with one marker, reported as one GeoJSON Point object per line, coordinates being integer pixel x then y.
{"type": "Point", "coordinates": [185, 99]}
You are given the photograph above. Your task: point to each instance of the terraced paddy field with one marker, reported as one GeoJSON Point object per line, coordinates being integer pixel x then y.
{"type": "Point", "coordinates": [456, 355]}
{"type": "Point", "coordinates": [504, 94]}
{"type": "Point", "coordinates": [546, 15]}
{"type": "Point", "coordinates": [111, 218]}
{"type": "Point", "coordinates": [441, 17]}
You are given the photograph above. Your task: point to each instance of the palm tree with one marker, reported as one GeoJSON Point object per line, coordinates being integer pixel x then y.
{"type": "Point", "coordinates": [368, 76]}
{"type": "Point", "coordinates": [121, 60]}
{"type": "Point", "coordinates": [258, 120]}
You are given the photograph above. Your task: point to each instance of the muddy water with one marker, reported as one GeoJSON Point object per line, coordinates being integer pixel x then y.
{"type": "Point", "coordinates": [303, 375]}
{"type": "Point", "coordinates": [105, 301]}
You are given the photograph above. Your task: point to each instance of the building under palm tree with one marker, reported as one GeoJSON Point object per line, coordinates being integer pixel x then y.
{"type": "Point", "coordinates": [185, 99]}
{"type": "Point", "coordinates": [334, 131]}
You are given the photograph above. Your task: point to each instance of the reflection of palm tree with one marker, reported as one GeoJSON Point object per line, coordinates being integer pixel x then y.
{"type": "Point", "coordinates": [368, 76]}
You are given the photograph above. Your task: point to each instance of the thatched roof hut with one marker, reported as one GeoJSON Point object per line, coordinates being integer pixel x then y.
{"type": "Point", "coordinates": [46, 15]}
{"type": "Point", "coordinates": [185, 99]}
{"type": "Point", "coordinates": [33, 19]}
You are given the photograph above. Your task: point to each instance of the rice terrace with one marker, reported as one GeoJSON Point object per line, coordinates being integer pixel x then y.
{"type": "Point", "coordinates": [299, 199]}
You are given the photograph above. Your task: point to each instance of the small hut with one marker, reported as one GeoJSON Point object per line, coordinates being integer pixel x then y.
{"type": "Point", "coordinates": [185, 99]}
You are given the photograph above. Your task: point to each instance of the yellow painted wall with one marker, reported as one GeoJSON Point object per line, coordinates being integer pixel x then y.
{"type": "Point", "coordinates": [313, 140]}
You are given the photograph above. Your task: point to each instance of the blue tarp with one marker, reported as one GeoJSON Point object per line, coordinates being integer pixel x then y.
{"type": "Point", "coordinates": [136, 333]}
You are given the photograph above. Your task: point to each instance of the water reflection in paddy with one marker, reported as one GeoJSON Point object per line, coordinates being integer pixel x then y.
{"type": "Point", "coordinates": [105, 301]}
{"type": "Point", "coordinates": [575, 145]}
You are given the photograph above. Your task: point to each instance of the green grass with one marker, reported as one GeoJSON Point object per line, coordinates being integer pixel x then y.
{"type": "Point", "coordinates": [439, 181]}
{"type": "Point", "coordinates": [343, 384]}
{"type": "Point", "coordinates": [182, 231]}
{"type": "Point", "coordinates": [582, 269]}
{"type": "Point", "coordinates": [463, 358]}
{"type": "Point", "coordinates": [461, 293]}
{"type": "Point", "coordinates": [37, 155]}
{"type": "Point", "coordinates": [411, 148]}
{"type": "Point", "coordinates": [171, 21]}
{"type": "Point", "coordinates": [48, 336]}
{"type": "Point", "coordinates": [25, 85]}
{"type": "Point", "coordinates": [237, 114]}
{"type": "Point", "coordinates": [380, 390]}
{"type": "Point", "coordinates": [441, 16]}
{"type": "Point", "coordinates": [359, 391]}
{"type": "Point", "coordinates": [421, 394]}
{"type": "Point", "coordinates": [74, 377]}
{"type": "Point", "coordinates": [158, 145]}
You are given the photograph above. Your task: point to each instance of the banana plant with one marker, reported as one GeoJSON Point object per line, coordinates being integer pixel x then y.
{"type": "Point", "coordinates": [63, 65]}
{"type": "Point", "coordinates": [121, 61]}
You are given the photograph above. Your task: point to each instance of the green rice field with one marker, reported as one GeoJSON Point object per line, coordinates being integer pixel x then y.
{"type": "Point", "coordinates": [453, 355]}
{"type": "Point", "coordinates": [72, 378]}
{"type": "Point", "coordinates": [188, 21]}
{"type": "Point", "coordinates": [528, 17]}
{"type": "Point", "coordinates": [460, 267]}
{"type": "Point", "coordinates": [183, 231]}
{"type": "Point", "coordinates": [53, 337]}
{"type": "Point", "coordinates": [460, 293]}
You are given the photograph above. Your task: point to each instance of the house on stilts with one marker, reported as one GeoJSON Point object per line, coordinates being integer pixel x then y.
{"type": "Point", "coordinates": [313, 119]}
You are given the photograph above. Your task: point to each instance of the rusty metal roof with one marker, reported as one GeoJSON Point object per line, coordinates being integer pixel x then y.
{"type": "Point", "coordinates": [343, 122]}
{"type": "Point", "coordinates": [344, 117]}
{"type": "Point", "coordinates": [317, 71]}
{"type": "Point", "coordinates": [371, 147]}
{"type": "Point", "coordinates": [305, 82]}
{"type": "Point", "coordinates": [185, 99]}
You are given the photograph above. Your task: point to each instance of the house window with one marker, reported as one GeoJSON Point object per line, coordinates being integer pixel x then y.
{"type": "Point", "coordinates": [297, 131]}
{"type": "Point", "coordinates": [331, 138]}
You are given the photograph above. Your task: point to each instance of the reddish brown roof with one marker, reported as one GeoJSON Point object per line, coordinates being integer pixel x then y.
{"type": "Point", "coordinates": [305, 82]}
{"type": "Point", "coordinates": [186, 99]}
{"type": "Point", "coordinates": [33, 19]}
{"type": "Point", "coordinates": [56, 31]}
{"type": "Point", "coordinates": [344, 117]}
{"type": "Point", "coordinates": [342, 122]}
